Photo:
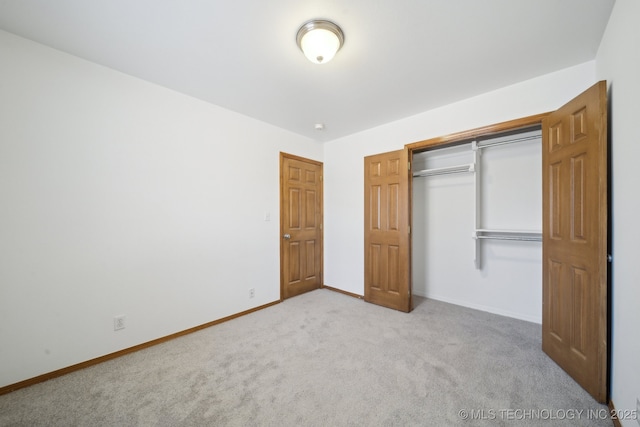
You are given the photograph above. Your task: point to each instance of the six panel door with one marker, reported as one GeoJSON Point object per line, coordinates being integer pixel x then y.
{"type": "Point", "coordinates": [300, 225]}
{"type": "Point", "coordinates": [575, 226]}
{"type": "Point", "coordinates": [386, 234]}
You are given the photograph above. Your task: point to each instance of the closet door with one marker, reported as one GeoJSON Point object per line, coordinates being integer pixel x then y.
{"type": "Point", "coordinates": [574, 305]}
{"type": "Point", "coordinates": [386, 234]}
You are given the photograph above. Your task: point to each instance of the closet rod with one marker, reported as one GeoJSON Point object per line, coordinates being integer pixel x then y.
{"type": "Point", "coordinates": [518, 238]}
{"type": "Point", "coordinates": [529, 236]}
{"type": "Point", "coordinates": [509, 141]}
{"type": "Point", "coordinates": [447, 170]}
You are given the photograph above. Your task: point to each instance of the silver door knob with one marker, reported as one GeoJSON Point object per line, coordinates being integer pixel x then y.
{"type": "Point", "coordinates": [287, 236]}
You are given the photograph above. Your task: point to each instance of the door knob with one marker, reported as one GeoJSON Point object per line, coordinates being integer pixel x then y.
{"type": "Point", "coordinates": [287, 236]}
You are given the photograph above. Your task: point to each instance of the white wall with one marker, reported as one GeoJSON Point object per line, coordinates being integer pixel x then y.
{"type": "Point", "coordinates": [122, 197]}
{"type": "Point", "coordinates": [344, 175]}
{"type": "Point", "coordinates": [618, 62]}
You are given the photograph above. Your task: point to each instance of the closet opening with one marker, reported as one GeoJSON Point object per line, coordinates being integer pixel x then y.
{"type": "Point", "coordinates": [477, 221]}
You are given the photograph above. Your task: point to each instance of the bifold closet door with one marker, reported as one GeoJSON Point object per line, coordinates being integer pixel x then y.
{"type": "Point", "coordinates": [386, 234]}
{"type": "Point", "coordinates": [574, 228]}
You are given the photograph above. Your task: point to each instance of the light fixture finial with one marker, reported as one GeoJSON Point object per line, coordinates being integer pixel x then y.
{"type": "Point", "coordinates": [319, 40]}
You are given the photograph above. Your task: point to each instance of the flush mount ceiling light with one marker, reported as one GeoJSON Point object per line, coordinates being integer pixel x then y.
{"type": "Point", "coordinates": [319, 40]}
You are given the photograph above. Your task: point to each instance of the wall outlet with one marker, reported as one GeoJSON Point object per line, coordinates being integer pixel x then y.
{"type": "Point", "coordinates": [118, 323]}
{"type": "Point", "coordinates": [252, 292]}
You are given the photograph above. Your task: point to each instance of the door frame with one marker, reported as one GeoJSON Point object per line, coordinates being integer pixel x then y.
{"type": "Point", "coordinates": [284, 156]}
{"type": "Point", "coordinates": [465, 136]}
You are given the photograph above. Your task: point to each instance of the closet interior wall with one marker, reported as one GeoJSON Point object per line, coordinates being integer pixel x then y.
{"type": "Point", "coordinates": [508, 279]}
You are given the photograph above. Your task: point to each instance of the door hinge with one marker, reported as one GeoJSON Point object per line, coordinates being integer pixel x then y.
{"type": "Point", "coordinates": [409, 232]}
{"type": "Point", "coordinates": [609, 257]}
{"type": "Point", "coordinates": [409, 166]}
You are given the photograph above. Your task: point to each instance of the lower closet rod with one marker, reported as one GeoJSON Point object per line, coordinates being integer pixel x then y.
{"type": "Point", "coordinates": [519, 238]}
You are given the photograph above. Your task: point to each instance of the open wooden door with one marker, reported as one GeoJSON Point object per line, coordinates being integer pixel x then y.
{"type": "Point", "coordinates": [574, 305]}
{"type": "Point", "coordinates": [300, 225]}
{"type": "Point", "coordinates": [386, 234]}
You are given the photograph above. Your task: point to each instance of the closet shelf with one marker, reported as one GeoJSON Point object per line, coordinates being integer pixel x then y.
{"type": "Point", "coordinates": [520, 235]}
{"type": "Point", "coordinates": [446, 170]}
{"type": "Point", "coordinates": [480, 144]}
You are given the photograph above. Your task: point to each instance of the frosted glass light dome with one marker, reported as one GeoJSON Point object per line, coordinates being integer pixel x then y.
{"type": "Point", "coordinates": [319, 40]}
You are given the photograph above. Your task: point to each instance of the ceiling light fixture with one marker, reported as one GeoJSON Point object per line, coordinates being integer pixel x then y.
{"type": "Point", "coordinates": [319, 40]}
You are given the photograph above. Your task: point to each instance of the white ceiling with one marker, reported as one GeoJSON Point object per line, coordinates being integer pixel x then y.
{"type": "Point", "coordinates": [400, 57]}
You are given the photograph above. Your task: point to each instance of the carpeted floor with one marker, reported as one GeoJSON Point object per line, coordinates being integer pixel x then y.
{"type": "Point", "coordinates": [324, 359]}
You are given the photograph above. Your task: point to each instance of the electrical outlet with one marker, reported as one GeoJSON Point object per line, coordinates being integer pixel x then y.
{"type": "Point", "coordinates": [252, 292]}
{"type": "Point", "coordinates": [118, 323]}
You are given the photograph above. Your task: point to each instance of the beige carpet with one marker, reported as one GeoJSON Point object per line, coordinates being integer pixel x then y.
{"type": "Point", "coordinates": [324, 359]}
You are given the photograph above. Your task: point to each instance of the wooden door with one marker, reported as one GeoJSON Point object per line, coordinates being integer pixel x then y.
{"type": "Point", "coordinates": [574, 226]}
{"type": "Point", "coordinates": [386, 234]}
{"type": "Point", "coordinates": [300, 225]}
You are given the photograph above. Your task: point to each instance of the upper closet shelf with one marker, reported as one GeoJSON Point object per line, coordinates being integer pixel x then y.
{"type": "Point", "coordinates": [446, 170]}
{"type": "Point", "coordinates": [487, 144]}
